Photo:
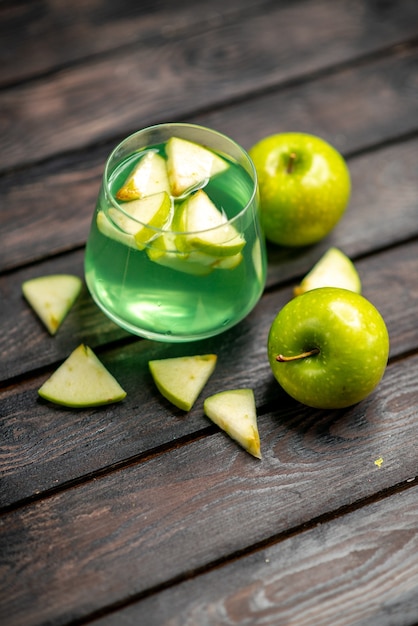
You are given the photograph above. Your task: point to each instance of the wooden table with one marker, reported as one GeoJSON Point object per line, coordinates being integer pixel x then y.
{"type": "Point", "coordinates": [140, 514]}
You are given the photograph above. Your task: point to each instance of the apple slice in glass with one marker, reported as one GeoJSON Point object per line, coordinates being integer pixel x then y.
{"type": "Point", "coordinates": [181, 379]}
{"type": "Point", "coordinates": [148, 214]}
{"type": "Point", "coordinates": [163, 251]}
{"type": "Point", "coordinates": [190, 165]}
{"type": "Point", "coordinates": [148, 178]}
{"type": "Point", "coordinates": [234, 411]}
{"type": "Point", "coordinates": [334, 269]}
{"type": "Point", "coordinates": [207, 228]}
{"type": "Point", "coordinates": [107, 227]}
{"type": "Point", "coordinates": [51, 297]}
{"type": "Point", "coordinates": [82, 381]}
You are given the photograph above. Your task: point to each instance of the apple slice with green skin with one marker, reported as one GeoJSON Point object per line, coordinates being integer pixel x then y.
{"type": "Point", "coordinates": [207, 228]}
{"type": "Point", "coordinates": [190, 165]}
{"type": "Point", "coordinates": [51, 297]}
{"type": "Point", "coordinates": [334, 269]}
{"type": "Point", "coordinates": [235, 412]}
{"type": "Point", "coordinates": [162, 251]}
{"type": "Point", "coordinates": [148, 178]}
{"type": "Point", "coordinates": [107, 228]}
{"type": "Point", "coordinates": [181, 379]}
{"type": "Point", "coordinates": [228, 262]}
{"type": "Point", "coordinates": [149, 213]}
{"type": "Point", "coordinates": [82, 381]}
{"type": "Point", "coordinates": [328, 348]}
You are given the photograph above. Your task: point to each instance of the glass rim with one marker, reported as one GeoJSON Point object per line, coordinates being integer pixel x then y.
{"type": "Point", "coordinates": [167, 125]}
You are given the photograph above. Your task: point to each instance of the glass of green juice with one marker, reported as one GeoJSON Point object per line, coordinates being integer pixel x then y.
{"type": "Point", "coordinates": [175, 251]}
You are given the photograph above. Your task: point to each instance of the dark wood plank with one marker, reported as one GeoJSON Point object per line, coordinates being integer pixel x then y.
{"type": "Point", "coordinates": [115, 95]}
{"type": "Point", "coordinates": [122, 534]}
{"type": "Point", "coordinates": [49, 446]}
{"type": "Point", "coordinates": [353, 108]}
{"type": "Point", "coordinates": [52, 204]}
{"type": "Point", "coordinates": [359, 570]}
{"type": "Point", "coordinates": [37, 37]}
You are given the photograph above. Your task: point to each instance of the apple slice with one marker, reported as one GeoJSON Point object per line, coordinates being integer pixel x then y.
{"type": "Point", "coordinates": [181, 379]}
{"type": "Point", "coordinates": [334, 269]}
{"type": "Point", "coordinates": [209, 230]}
{"type": "Point", "coordinates": [148, 178]}
{"type": "Point", "coordinates": [51, 297]}
{"type": "Point", "coordinates": [107, 228]}
{"type": "Point", "coordinates": [235, 412]}
{"type": "Point", "coordinates": [82, 381]}
{"type": "Point", "coordinates": [190, 165]}
{"type": "Point", "coordinates": [228, 262]}
{"type": "Point", "coordinates": [148, 213]}
{"type": "Point", "coordinates": [163, 251]}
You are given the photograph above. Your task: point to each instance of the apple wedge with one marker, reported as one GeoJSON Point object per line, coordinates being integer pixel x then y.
{"type": "Point", "coordinates": [107, 228]}
{"type": "Point", "coordinates": [51, 297]}
{"type": "Point", "coordinates": [190, 165]}
{"type": "Point", "coordinates": [163, 251]}
{"type": "Point", "coordinates": [208, 229]}
{"type": "Point", "coordinates": [235, 412]}
{"type": "Point", "coordinates": [82, 381]}
{"type": "Point", "coordinates": [140, 217]}
{"type": "Point", "coordinates": [181, 379]}
{"type": "Point", "coordinates": [148, 178]}
{"type": "Point", "coordinates": [334, 269]}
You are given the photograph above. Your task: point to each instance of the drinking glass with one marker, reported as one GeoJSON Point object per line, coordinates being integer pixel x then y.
{"type": "Point", "coordinates": [163, 288]}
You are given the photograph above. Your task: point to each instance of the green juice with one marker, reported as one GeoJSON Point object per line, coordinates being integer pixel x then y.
{"type": "Point", "coordinates": [176, 296]}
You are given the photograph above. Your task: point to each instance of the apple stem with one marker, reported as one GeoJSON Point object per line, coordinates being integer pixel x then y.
{"type": "Point", "coordinates": [291, 162]}
{"type": "Point", "coordinates": [282, 359]}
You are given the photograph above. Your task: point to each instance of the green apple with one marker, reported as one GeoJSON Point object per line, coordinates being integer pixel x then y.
{"type": "Point", "coordinates": [181, 379]}
{"type": "Point", "coordinates": [304, 187]}
{"type": "Point", "coordinates": [208, 229]}
{"type": "Point", "coordinates": [148, 178]}
{"type": "Point", "coordinates": [141, 217]}
{"type": "Point", "coordinates": [51, 297]}
{"type": "Point", "coordinates": [190, 165]}
{"type": "Point", "coordinates": [328, 348]}
{"type": "Point", "coordinates": [235, 412]}
{"type": "Point", "coordinates": [82, 381]}
{"type": "Point", "coordinates": [334, 269]}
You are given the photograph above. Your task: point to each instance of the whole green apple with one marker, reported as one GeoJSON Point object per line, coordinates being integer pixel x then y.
{"type": "Point", "coordinates": [328, 348]}
{"type": "Point", "coordinates": [304, 187]}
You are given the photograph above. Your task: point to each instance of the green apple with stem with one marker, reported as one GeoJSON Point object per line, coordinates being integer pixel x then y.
{"type": "Point", "coordinates": [328, 348]}
{"type": "Point", "coordinates": [304, 187]}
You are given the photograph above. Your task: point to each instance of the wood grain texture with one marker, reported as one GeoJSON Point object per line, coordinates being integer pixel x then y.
{"type": "Point", "coordinates": [124, 533]}
{"type": "Point", "coordinates": [38, 37]}
{"type": "Point", "coordinates": [49, 445]}
{"type": "Point", "coordinates": [356, 570]}
{"type": "Point", "coordinates": [108, 97]}
{"type": "Point", "coordinates": [353, 110]}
